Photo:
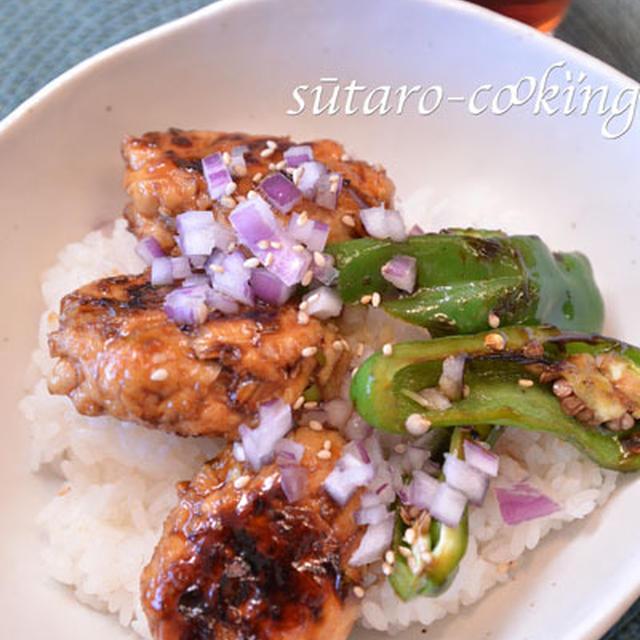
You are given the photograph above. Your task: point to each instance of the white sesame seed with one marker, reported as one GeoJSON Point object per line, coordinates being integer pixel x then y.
{"type": "Point", "coordinates": [400, 448]}
{"type": "Point", "coordinates": [315, 425]}
{"type": "Point", "coordinates": [303, 318]}
{"type": "Point", "coordinates": [387, 569]}
{"type": "Point", "coordinates": [326, 444]}
{"type": "Point", "coordinates": [495, 341]}
{"type": "Point", "coordinates": [358, 592]}
{"type": "Point", "coordinates": [230, 188]}
{"type": "Point", "coordinates": [387, 349]}
{"type": "Point", "coordinates": [333, 187]}
{"type": "Point", "coordinates": [366, 299]}
{"type": "Point", "coordinates": [227, 202]}
{"type": "Point", "coordinates": [359, 349]}
{"type": "Point", "coordinates": [390, 557]}
{"type": "Point", "coordinates": [409, 536]}
{"type": "Point", "coordinates": [349, 221]}
{"type": "Point", "coordinates": [226, 158]}
{"type": "Point", "coordinates": [256, 177]}
{"type": "Point", "coordinates": [302, 219]}
{"type": "Point", "coordinates": [266, 153]}
{"type": "Point", "coordinates": [309, 352]}
{"type": "Point", "coordinates": [375, 299]}
{"type": "Point", "coordinates": [271, 144]}
{"type": "Point", "coordinates": [241, 482]}
{"type": "Point", "coordinates": [158, 375]}
{"type": "Point", "coordinates": [218, 268]}
{"type": "Point", "coordinates": [251, 263]}
{"type": "Point", "coordinates": [298, 248]}
{"type": "Point", "coordinates": [337, 345]}
{"type": "Point", "coordinates": [345, 157]}
{"type": "Point", "coordinates": [354, 371]}
{"type": "Point", "coordinates": [272, 166]}
{"type": "Point", "coordinates": [299, 402]}
{"type": "Point", "coordinates": [323, 454]}
{"type": "Point", "coordinates": [312, 298]}
{"type": "Point", "coordinates": [523, 382]}
{"type": "Point", "coordinates": [405, 551]}
{"type": "Point", "coordinates": [334, 177]}
{"type": "Point", "coordinates": [304, 305]}
{"type": "Point", "coordinates": [263, 244]}
{"type": "Point", "coordinates": [268, 261]}
{"type": "Point", "coordinates": [493, 320]}
{"type": "Point", "coordinates": [239, 170]}
{"type": "Point", "coordinates": [276, 244]}
{"type": "Point", "coordinates": [311, 404]}
{"type": "Point", "coordinates": [319, 259]}
{"type": "Point", "coordinates": [417, 425]}
{"type": "Point", "coordinates": [296, 174]}
{"type": "Point", "coordinates": [281, 165]}
{"type": "Point", "coordinates": [307, 278]}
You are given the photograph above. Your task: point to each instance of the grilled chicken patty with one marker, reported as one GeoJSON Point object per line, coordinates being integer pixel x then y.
{"type": "Point", "coordinates": [163, 177]}
{"type": "Point", "coordinates": [120, 354]}
{"type": "Point", "coordinates": [238, 561]}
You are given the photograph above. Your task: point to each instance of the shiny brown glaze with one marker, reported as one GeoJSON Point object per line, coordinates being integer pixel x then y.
{"type": "Point", "coordinates": [120, 354]}
{"type": "Point", "coordinates": [163, 177]}
{"type": "Point", "coordinates": [238, 564]}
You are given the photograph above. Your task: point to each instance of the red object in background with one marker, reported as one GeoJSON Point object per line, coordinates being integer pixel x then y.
{"type": "Point", "coordinates": [542, 14]}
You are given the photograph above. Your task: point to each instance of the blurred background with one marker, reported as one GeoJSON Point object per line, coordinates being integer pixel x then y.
{"type": "Point", "coordinates": [39, 39]}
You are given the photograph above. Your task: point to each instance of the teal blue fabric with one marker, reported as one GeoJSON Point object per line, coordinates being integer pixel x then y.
{"type": "Point", "coordinates": [39, 39]}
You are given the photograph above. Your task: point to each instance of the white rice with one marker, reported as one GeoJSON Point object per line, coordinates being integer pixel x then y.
{"type": "Point", "coordinates": [117, 479]}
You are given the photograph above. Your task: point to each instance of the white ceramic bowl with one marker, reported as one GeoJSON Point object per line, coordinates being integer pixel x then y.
{"type": "Point", "coordinates": [233, 66]}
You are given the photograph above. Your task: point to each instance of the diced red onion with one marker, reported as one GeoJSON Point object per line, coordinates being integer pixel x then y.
{"type": "Point", "coordinates": [451, 379]}
{"type": "Point", "coordinates": [381, 223]}
{"type": "Point", "coordinates": [294, 482]}
{"type": "Point", "coordinates": [465, 478]}
{"type": "Point", "coordinates": [416, 457]}
{"type": "Point", "coordinates": [198, 262]}
{"type": "Point", "coordinates": [327, 273]}
{"type": "Point", "coordinates": [523, 502]}
{"type": "Point", "coordinates": [448, 505]}
{"type": "Point", "coordinates": [281, 192]}
{"type": "Point", "coordinates": [481, 459]}
{"type": "Point", "coordinates": [416, 230]}
{"type": "Point", "coordinates": [374, 543]}
{"type": "Point", "coordinates": [233, 281]}
{"type": "Point", "coordinates": [268, 287]}
{"type": "Point", "coordinates": [356, 428]}
{"type": "Point", "coordinates": [216, 174]}
{"type": "Point", "coordinates": [338, 411]}
{"type": "Point", "coordinates": [312, 233]}
{"type": "Point", "coordinates": [396, 227]}
{"type": "Point", "coordinates": [323, 303]}
{"type": "Point", "coordinates": [369, 499]}
{"type": "Point", "coordinates": [238, 165]}
{"type": "Point", "coordinates": [290, 451]}
{"type": "Point", "coordinates": [149, 248]}
{"type": "Point", "coordinates": [422, 490]}
{"type": "Point", "coordinates": [224, 236]}
{"type": "Point", "coordinates": [194, 279]}
{"type": "Point", "coordinates": [161, 271]}
{"type": "Point", "coordinates": [295, 156]}
{"type": "Point", "coordinates": [309, 174]}
{"type": "Point", "coordinates": [401, 272]}
{"type": "Point", "coordinates": [187, 305]}
{"type": "Point", "coordinates": [374, 221]}
{"type": "Point", "coordinates": [349, 473]}
{"type": "Point", "coordinates": [180, 267]}
{"type": "Point", "coordinates": [222, 303]}
{"type": "Point", "coordinates": [328, 189]}
{"type": "Point", "coordinates": [371, 515]}
{"type": "Point", "coordinates": [373, 449]}
{"type": "Point", "coordinates": [259, 443]}
{"type": "Point", "coordinates": [254, 222]}
{"type": "Point", "coordinates": [196, 231]}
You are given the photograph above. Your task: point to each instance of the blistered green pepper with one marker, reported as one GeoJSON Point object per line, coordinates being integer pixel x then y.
{"type": "Point", "coordinates": [464, 276]}
{"type": "Point", "coordinates": [583, 388]}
